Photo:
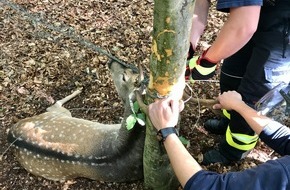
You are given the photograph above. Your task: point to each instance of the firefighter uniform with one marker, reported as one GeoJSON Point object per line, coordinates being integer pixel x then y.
{"type": "Point", "coordinates": [274, 174]}
{"type": "Point", "coordinates": [260, 65]}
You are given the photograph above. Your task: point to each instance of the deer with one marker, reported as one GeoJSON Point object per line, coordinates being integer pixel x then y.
{"type": "Point", "coordinates": [58, 147]}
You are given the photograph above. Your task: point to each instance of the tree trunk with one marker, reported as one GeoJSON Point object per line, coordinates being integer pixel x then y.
{"type": "Point", "coordinates": [171, 29]}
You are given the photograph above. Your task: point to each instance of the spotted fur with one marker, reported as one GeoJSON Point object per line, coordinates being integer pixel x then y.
{"type": "Point", "coordinates": [57, 146]}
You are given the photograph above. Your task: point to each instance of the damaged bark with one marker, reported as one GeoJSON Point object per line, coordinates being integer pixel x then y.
{"type": "Point", "coordinates": [171, 29]}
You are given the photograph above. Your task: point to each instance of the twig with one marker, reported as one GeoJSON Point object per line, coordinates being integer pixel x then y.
{"type": "Point", "coordinates": [208, 103]}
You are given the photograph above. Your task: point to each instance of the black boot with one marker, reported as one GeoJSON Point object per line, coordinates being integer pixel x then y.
{"type": "Point", "coordinates": [216, 126]}
{"type": "Point", "coordinates": [225, 154]}
{"type": "Point", "coordinates": [214, 156]}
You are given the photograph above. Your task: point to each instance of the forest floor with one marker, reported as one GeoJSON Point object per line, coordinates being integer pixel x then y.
{"type": "Point", "coordinates": [50, 48]}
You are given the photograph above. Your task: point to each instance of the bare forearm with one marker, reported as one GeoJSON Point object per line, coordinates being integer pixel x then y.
{"type": "Point", "coordinates": [199, 21]}
{"type": "Point", "coordinates": [184, 165]}
{"type": "Point", "coordinates": [236, 32]}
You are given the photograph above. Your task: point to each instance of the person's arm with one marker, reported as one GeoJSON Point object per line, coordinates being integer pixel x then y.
{"type": "Point", "coordinates": [199, 21]}
{"type": "Point", "coordinates": [277, 136]}
{"type": "Point", "coordinates": [274, 134]}
{"type": "Point", "coordinates": [164, 113]}
{"type": "Point", "coordinates": [183, 164]}
{"type": "Point", "coordinates": [232, 100]}
{"type": "Point", "coordinates": [235, 33]}
{"type": "Point", "coordinates": [273, 174]}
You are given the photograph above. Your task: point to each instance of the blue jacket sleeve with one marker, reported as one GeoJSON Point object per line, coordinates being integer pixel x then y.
{"type": "Point", "coordinates": [277, 136]}
{"type": "Point", "coordinates": [270, 175]}
{"type": "Point", "coordinates": [225, 5]}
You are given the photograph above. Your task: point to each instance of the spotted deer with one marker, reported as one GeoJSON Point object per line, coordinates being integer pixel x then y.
{"type": "Point", "coordinates": [57, 146]}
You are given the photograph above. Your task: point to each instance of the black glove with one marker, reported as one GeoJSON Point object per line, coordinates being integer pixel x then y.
{"type": "Point", "coordinates": [201, 68]}
{"type": "Point", "coordinates": [189, 57]}
{"type": "Point", "coordinates": [190, 52]}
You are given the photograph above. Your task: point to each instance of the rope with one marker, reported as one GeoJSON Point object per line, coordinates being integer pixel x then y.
{"type": "Point", "coordinates": [66, 30]}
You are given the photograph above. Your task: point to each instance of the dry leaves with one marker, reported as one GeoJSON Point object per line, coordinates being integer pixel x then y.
{"type": "Point", "coordinates": [43, 58]}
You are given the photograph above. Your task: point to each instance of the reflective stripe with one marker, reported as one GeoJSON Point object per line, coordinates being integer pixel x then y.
{"type": "Point", "coordinates": [226, 114]}
{"type": "Point", "coordinates": [204, 70]}
{"type": "Point", "coordinates": [192, 62]}
{"type": "Point", "coordinates": [277, 73]}
{"type": "Point", "coordinates": [191, 80]}
{"type": "Point", "coordinates": [250, 141]}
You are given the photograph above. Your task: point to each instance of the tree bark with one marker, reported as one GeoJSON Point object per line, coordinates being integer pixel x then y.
{"type": "Point", "coordinates": [171, 29]}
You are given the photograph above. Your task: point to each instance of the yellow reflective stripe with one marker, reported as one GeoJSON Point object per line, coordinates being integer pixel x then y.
{"type": "Point", "coordinates": [245, 138]}
{"type": "Point", "coordinates": [191, 80]}
{"type": "Point", "coordinates": [250, 141]}
{"type": "Point", "coordinates": [192, 62]}
{"type": "Point", "coordinates": [204, 70]}
{"type": "Point", "coordinates": [227, 114]}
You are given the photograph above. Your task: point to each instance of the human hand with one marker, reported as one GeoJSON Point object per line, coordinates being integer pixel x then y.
{"type": "Point", "coordinates": [228, 100]}
{"type": "Point", "coordinates": [164, 113]}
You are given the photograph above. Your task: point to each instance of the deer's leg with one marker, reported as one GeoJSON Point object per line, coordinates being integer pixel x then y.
{"type": "Point", "coordinates": [58, 104]}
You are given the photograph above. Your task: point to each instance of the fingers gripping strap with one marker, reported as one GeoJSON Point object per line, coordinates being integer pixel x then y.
{"type": "Point", "coordinates": [248, 141]}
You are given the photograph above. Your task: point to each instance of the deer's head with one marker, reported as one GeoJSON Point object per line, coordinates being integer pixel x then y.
{"type": "Point", "coordinates": [126, 78]}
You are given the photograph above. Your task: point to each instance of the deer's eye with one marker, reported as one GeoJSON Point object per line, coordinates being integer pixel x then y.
{"type": "Point", "coordinates": [125, 77]}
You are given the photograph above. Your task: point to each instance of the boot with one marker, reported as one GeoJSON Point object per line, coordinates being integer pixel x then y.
{"type": "Point", "coordinates": [224, 155]}
{"type": "Point", "coordinates": [214, 156]}
{"type": "Point", "coordinates": [216, 126]}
